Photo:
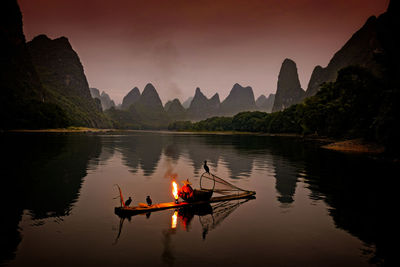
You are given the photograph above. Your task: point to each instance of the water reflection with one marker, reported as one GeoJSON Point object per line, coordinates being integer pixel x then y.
{"type": "Point", "coordinates": [356, 189]}
{"type": "Point", "coordinates": [142, 151]}
{"type": "Point", "coordinates": [210, 217]}
{"type": "Point", "coordinates": [45, 175]}
{"type": "Point", "coordinates": [286, 180]}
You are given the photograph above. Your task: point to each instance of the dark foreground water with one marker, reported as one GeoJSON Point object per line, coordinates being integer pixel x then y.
{"type": "Point", "coordinates": [313, 207]}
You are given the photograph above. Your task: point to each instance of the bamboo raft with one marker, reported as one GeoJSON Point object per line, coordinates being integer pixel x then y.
{"type": "Point", "coordinates": [209, 184]}
{"type": "Point", "coordinates": [127, 211]}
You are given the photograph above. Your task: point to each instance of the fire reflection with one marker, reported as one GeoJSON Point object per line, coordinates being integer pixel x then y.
{"type": "Point", "coordinates": [210, 216]}
{"type": "Point", "coordinates": [174, 220]}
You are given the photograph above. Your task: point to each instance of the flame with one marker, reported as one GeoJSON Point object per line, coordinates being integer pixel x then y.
{"type": "Point", "coordinates": [174, 220]}
{"type": "Point", "coordinates": [175, 190]}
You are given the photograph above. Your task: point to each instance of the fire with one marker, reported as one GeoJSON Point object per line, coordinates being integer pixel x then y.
{"type": "Point", "coordinates": [175, 190]}
{"type": "Point", "coordinates": [174, 220]}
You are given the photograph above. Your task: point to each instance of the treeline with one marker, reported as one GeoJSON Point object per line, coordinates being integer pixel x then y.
{"type": "Point", "coordinates": [356, 105]}
{"type": "Point", "coordinates": [137, 118]}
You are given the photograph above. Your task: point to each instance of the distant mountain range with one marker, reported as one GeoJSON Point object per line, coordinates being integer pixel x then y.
{"type": "Point", "coordinates": [199, 107]}
{"type": "Point", "coordinates": [105, 100]}
{"type": "Point", "coordinates": [43, 83]}
{"type": "Point", "coordinates": [264, 103]}
{"type": "Point", "coordinates": [367, 48]}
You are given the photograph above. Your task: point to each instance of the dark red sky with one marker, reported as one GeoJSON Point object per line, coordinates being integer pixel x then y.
{"type": "Point", "coordinates": [211, 44]}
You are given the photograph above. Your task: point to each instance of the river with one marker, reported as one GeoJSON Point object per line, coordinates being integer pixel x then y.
{"type": "Point", "coordinates": [313, 207]}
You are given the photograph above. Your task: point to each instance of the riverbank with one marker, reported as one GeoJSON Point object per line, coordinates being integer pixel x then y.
{"type": "Point", "coordinates": [355, 146]}
{"type": "Point", "coordinates": [65, 130]}
{"type": "Point", "coordinates": [347, 146]}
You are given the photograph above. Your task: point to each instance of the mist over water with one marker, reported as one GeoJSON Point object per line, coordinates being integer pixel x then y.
{"type": "Point", "coordinates": [59, 197]}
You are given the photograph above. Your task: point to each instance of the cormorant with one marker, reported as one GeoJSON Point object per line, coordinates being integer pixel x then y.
{"type": "Point", "coordinates": [206, 167]}
{"type": "Point", "coordinates": [128, 202]}
{"type": "Point", "coordinates": [149, 201]}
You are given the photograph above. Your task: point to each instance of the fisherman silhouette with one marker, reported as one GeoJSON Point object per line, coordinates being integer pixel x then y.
{"type": "Point", "coordinates": [206, 167]}
{"type": "Point", "coordinates": [128, 201]}
{"type": "Point", "coordinates": [149, 201]}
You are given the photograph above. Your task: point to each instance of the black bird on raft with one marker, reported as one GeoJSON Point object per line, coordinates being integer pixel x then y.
{"type": "Point", "coordinates": [128, 201]}
{"type": "Point", "coordinates": [206, 167]}
{"type": "Point", "coordinates": [149, 201]}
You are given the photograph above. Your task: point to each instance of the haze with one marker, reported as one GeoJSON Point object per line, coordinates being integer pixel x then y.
{"type": "Point", "coordinates": [181, 45]}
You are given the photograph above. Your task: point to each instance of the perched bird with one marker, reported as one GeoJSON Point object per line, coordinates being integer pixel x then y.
{"type": "Point", "coordinates": [149, 201]}
{"type": "Point", "coordinates": [206, 167]}
{"type": "Point", "coordinates": [128, 201]}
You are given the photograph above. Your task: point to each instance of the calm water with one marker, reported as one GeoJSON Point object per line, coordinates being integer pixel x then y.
{"type": "Point", "coordinates": [313, 207]}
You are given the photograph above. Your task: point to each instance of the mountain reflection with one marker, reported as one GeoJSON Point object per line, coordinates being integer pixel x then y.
{"type": "Point", "coordinates": [44, 176]}
{"type": "Point", "coordinates": [142, 150]}
{"type": "Point", "coordinates": [356, 189]}
{"type": "Point", "coordinates": [286, 180]}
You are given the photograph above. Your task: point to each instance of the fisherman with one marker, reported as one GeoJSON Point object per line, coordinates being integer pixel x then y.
{"type": "Point", "coordinates": [149, 201]}
{"type": "Point", "coordinates": [186, 191]}
{"type": "Point", "coordinates": [206, 167]}
{"type": "Point", "coordinates": [128, 201]}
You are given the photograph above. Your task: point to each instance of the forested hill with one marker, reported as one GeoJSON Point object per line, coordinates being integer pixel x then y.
{"type": "Point", "coordinates": [62, 75]}
{"type": "Point", "coordinates": [356, 105]}
{"type": "Point", "coordinates": [22, 96]}
{"type": "Point", "coordinates": [362, 102]}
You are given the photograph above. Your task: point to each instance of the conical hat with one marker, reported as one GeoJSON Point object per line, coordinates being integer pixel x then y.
{"type": "Point", "coordinates": [186, 182]}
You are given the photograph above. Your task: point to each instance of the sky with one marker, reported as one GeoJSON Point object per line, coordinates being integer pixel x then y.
{"type": "Point", "coordinates": [179, 45]}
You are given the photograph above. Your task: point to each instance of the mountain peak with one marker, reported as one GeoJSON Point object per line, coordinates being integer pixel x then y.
{"type": "Point", "coordinates": [261, 98]}
{"type": "Point", "coordinates": [215, 97]}
{"type": "Point", "coordinates": [237, 85]}
{"type": "Point", "coordinates": [201, 107]}
{"type": "Point", "coordinates": [41, 37]}
{"type": "Point", "coordinates": [288, 61]}
{"type": "Point", "coordinates": [175, 110]}
{"type": "Point", "coordinates": [149, 88]}
{"type": "Point", "coordinates": [360, 49]}
{"type": "Point", "coordinates": [61, 72]}
{"type": "Point", "coordinates": [239, 99]}
{"type": "Point", "coordinates": [198, 92]}
{"type": "Point", "coordinates": [58, 43]}
{"type": "Point", "coordinates": [95, 92]}
{"type": "Point", "coordinates": [289, 90]}
{"type": "Point", "coordinates": [265, 103]}
{"type": "Point", "coordinates": [150, 97]}
{"type": "Point", "coordinates": [131, 98]}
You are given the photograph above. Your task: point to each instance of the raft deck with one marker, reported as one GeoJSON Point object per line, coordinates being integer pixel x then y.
{"type": "Point", "coordinates": [171, 205]}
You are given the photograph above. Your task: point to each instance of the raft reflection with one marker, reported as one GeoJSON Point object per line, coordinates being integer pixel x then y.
{"type": "Point", "coordinates": [210, 215]}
